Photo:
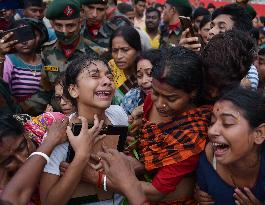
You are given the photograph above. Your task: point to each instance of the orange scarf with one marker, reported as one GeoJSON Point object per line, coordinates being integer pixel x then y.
{"type": "Point", "coordinates": [172, 142]}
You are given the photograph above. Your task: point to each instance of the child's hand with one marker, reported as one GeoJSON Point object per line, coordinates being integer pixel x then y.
{"type": "Point", "coordinates": [83, 143]}
{"type": "Point", "coordinates": [49, 108]}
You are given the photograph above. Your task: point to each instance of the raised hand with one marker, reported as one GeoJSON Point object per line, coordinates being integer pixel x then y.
{"type": "Point", "coordinates": [82, 144]}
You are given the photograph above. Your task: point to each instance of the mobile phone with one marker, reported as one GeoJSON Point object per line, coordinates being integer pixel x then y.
{"type": "Point", "coordinates": [186, 24]}
{"type": "Point", "coordinates": [108, 130]}
{"type": "Point", "coordinates": [22, 34]}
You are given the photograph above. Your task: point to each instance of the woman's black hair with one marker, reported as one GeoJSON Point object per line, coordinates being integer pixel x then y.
{"type": "Point", "coordinates": [206, 19]}
{"type": "Point", "coordinates": [227, 58]}
{"type": "Point", "coordinates": [130, 35]}
{"type": "Point", "coordinates": [60, 79]}
{"type": "Point", "coordinates": [250, 102]}
{"type": "Point", "coordinates": [76, 67]}
{"type": "Point", "coordinates": [10, 126]}
{"type": "Point", "coordinates": [211, 6]}
{"type": "Point", "coordinates": [180, 68]}
{"type": "Point", "coordinates": [153, 55]}
{"type": "Point", "coordinates": [200, 11]}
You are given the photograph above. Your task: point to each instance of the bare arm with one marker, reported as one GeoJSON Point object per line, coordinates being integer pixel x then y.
{"type": "Point", "coordinates": [55, 190]}
{"type": "Point", "coordinates": [19, 190]}
{"type": "Point", "coordinates": [5, 47]}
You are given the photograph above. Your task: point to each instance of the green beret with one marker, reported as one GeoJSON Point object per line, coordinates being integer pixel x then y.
{"type": "Point", "coordinates": [87, 2]}
{"type": "Point", "coordinates": [251, 11]}
{"type": "Point", "coordinates": [63, 10]}
{"type": "Point", "coordinates": [184, 4]}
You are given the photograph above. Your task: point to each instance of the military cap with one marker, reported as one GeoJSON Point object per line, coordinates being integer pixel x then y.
{"type": "Point", "coordinates": [184, 4]}
{"type": "Point", "coordinates": [87, 2]}
{"type": "Point", "coordinates": [63, 9]}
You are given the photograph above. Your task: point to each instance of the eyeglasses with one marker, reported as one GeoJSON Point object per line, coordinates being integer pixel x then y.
{"type": "Point", "coordinates": [59, 98]}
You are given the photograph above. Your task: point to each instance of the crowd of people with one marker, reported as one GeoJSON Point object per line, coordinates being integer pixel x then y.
{"type": "Point", "coordinates": [186, 83]}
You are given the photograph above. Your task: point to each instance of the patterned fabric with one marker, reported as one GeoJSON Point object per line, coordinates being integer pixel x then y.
{"type": "Point", "coordinates": [118, 74]}
{"type": "Point", "coordinates": [132, 99]}
{"type": "Point", "coordinates": [253, 76]}
{"type": "Point", "coordinates": [122, 84]}
{"type": "Point", "coordinates": [171, 142]}
{"type": "Point", "coordinates": [37, 126]}
{"type": "Point", "coordinates": [23, 79]}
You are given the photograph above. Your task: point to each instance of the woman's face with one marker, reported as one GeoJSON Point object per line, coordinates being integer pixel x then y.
{"type": "Point", "coordinates": [168, 100]}
{"type": "Point", "coordinates": [144, 78]}
{"type": "Point", "coordinates": [122, 53]}
{"type": "Point", "coordinates": [14, 151]}
{"type": "Point", "coordinates": [65, 104]}
{"type": "Point", "coordinates": [26, 47]}
{"type": "Point", "coordinates": [95, 86]}
{"type": "Point", "coordinates": [230, 134]}
{"type": "Point", "coordinates": [204, 31]}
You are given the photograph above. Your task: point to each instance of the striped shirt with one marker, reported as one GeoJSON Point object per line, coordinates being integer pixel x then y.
{"type": "Point", "coordinates": [22, 78]}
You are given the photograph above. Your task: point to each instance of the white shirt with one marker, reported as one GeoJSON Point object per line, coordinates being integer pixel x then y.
{"type": "Point", "coordinates": [117, 116]}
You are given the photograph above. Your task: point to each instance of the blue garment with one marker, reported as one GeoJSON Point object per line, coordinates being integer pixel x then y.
{"type": "Point", "coordinates": [221, 192]}
{"type": "Point", "coordinates": [132, 99]}
{"type": "Point", "coordinates": [52, 35]}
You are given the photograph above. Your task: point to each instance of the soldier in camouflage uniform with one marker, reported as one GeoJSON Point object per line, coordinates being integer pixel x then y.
{"type": "Point", "coordinates": [66, 21]}
{"type": "Point", "coordinates": [171, 30]}
{"type": "Point", "coordinates": [97, 30]}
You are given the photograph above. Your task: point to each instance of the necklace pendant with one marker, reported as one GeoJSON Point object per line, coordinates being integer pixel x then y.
{"type": "Point", "coordinates": [34, 73]}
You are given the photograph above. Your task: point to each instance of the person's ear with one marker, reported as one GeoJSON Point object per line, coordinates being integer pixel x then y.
{"type": "Point", "coordinates": [73, 91]}
{"type": "Point", "coordinates": [173, 9]}
{"type": "Point", "coordinates": [260, 134]}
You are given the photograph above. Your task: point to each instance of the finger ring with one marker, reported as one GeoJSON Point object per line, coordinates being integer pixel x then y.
{"type": "Point", "coordinates": [2, 41]}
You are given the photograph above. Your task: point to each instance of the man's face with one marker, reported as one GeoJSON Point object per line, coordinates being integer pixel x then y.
{"type": "Point", "coordinates": [168, 13]}
{"type": "Point", "coordinates": [95, 13]}
{"type": "Point", "coordinates": [34, 12]}
{"type": "Point", "coordinates": [67, 26]}
{"type": "Point", "coordinates": [152, 20]}
{"type": "Point", "coordinates": [130, 15]}
{"type": "Point", "coordinates": [197, 22]}
{"type": "Point", "coordinates": [8, 13]}
{"type": "Point", "coordinates": [139, 8]}
{"type": "Point", "coordinates": [220, 24]}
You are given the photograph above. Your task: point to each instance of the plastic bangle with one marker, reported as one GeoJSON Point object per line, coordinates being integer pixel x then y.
{"type": "Point", "coordinates": [105, 183]}
{"type": "Point", "coordinates": [45, 156]}
{"type": "Point", "coordinates": [100, 173]}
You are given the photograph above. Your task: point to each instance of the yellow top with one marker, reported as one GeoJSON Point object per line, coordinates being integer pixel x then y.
{"type": "Point", "coordinates": [118, 74]}
{"type": "Point", "coordinates": [154, 42]}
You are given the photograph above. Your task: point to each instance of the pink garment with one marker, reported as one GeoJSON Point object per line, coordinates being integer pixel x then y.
{"type": "Point", "coordinates": [8, 67]}
{"type": "Point", "coordinates": [37, 126]}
